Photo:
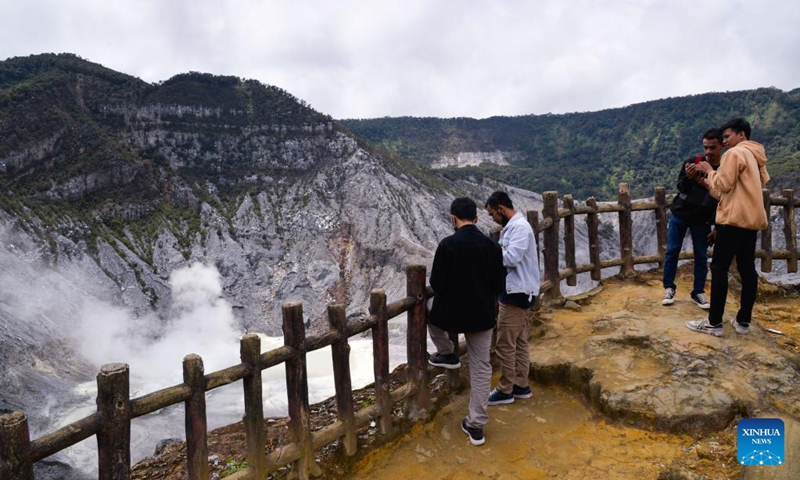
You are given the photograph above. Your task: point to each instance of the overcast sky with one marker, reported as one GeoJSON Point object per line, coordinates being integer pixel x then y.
{"type": "Point", "coordinates": [440, 58]}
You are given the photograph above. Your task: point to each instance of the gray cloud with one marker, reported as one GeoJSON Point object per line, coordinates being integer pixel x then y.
{"type": "Point", "coordinates": [444, 58]}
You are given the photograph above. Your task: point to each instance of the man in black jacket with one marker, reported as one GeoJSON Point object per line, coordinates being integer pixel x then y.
{"type": "Point", "coordinates": [467, 276]}
{"type": "Point", "coordinates": [692, 209]}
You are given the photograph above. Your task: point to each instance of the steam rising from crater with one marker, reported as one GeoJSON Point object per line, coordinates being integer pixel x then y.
{"type": "Point", "coordinates": [201, 322]}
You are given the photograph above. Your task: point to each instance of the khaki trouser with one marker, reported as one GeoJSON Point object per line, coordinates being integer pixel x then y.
{"type": "Point", "coordinates": [512, 347]}
{"type": "Point", "coordinates": [480, 370]}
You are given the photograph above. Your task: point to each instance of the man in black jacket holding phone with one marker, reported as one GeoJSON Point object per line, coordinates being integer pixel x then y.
{"type": "Point", "coordinates": [692, 209]}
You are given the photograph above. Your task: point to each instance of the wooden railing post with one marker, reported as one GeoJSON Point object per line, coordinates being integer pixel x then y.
{"type": "Point", "coordinates": [294, 336]}
{"type": "Point", "coordinates": [453, 377]}
{"type": "Point", "coordinates": [592, 225]}
{"type": "Point", "coordinates": [661, 224]}
{"type": "Point", "coordinates": [340, 351]}
{"type": "Point", "coordinates": [533, 221]}
{"type": "Point", "coordinates": [766, 234]}
{"type": "Point", "coordinates": [380, 353]}
{"type": "Point", "coordinates": [114, 439]}
{"type": "Point", "coordinates": [494, 233]}
{"type": "Point", "coordinates": [15, 446]}
{"type": "Point", "coordinates": [196, 422]}
{"type": "Point", "coordinates": [625, 231]}
{"type": "Point", "coordinates": [550, 210]}
{"type": "Point", "coordinates": [419, 405]}
{"type": "Point", "coordinates": [250, 354]}
{"type": "Point", "coordinates": [790, 230]}
{"type": "Point", "coordinates": [569, 241]}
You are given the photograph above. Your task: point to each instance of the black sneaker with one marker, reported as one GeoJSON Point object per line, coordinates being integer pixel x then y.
{"type": "Point", "coordinates": [449, 361]}
{"type": "Point", "coordinates": [520, 392]}
{"type": "Point", "coordinates": [475, 434]}
{"type": "Point", "coordinates": [669, 296]}
{"type": "Point", "coordinates": [701, 301]}
{"type": "Point", "coordinates": [499, 398]}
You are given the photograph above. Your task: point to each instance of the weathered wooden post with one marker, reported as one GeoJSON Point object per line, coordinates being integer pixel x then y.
{"type": "Point", "coordinates": [766, 234]}
{"type": "Point", "coordinates": [419, 404]}
{"type": "Point", "coordinates": [661, 224]}
{"type": "Point", "coordinates": [380, 354]}
{"type": "Point", "coordinates": [340, 351]}
{"type": "Point", "coordinates": [550, 211]}
{"type": "Point", "coordinates": [790, 230]}
{"type": "Point", "coordinates": [196, 423]}
{"type": "Point", "coordinates": [294, 336]}
{"type": "Point", "coordinates": [453, 377]}
{"type": "Point", "coordinates": [625, 231]}
{"type": "Point", "coordinates": [114, 438]}
{"type": "Point", "coordinates": [494, 233]}
{"type": "Point", "coordinates": [592, 225]}
{"type": "Point", "coordinates": [250, 354]}
{"type": "Point", "coordinates": [533, 221]}
{"type": "Point", "coordinates": [15, 447]}
{"type": "Point", "coordinates": [569, 241]}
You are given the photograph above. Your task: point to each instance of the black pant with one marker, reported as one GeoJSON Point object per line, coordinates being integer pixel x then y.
{"type": "Point", "coordinates": [739, 243]}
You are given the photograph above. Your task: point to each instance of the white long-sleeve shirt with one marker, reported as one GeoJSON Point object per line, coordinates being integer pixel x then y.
{"type": "Point", "coordinates": [520, 256]}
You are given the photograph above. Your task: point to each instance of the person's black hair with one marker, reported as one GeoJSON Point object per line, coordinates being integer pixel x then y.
{"type": "Point", "coordinates": [499, 198]}
{"type": "Point", "coordinates": [713, 134]}
{"type": "Point", "coordinates": [738, 125]}
{"type": "Point", "coordinates": [464, 209]}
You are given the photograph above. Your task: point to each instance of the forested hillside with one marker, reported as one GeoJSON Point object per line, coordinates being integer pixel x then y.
{"type": "Point", "coordinates": [591, 153]}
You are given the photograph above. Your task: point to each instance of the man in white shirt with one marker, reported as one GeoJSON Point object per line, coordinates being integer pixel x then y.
{"type": "Point", "coordinates": [521, 260]}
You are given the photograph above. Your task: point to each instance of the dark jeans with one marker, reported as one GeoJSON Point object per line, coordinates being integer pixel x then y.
{"type": "Point", "coordinates": [739, 243]}
{"type": "Point", "coordinates": [677, 230]}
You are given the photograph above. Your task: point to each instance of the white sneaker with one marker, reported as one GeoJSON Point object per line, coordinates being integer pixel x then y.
{"type": "Point", "coordinates": [740, 329]}
{"type": "Point", "coordinates": [703, 326]}
{"type": "Point", "coordinates": [669, 296]}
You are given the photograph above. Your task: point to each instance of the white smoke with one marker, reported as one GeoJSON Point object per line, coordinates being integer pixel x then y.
{"type": "Point", "coordinates": [75, 302]}
{"type": "Point", "coordinates": [201, 322]}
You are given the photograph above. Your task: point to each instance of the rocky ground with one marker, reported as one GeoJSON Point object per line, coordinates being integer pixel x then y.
{"type": "Point", "coordinates": [621, 390]}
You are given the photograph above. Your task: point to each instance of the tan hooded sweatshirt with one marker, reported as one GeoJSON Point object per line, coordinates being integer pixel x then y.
{"type": "Point", "coordinates": [737, 185]}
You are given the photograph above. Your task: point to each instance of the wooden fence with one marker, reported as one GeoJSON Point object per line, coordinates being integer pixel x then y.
{"type": "Point", "coordinates": [550, 229]}
{"type": "Point", "coordinates": [111, 423]}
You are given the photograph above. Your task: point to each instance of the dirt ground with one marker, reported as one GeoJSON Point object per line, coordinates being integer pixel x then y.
{"type": "Point", "coordinates": [556, 434]}
{"type": "Point", "coordinates": [552, 435]}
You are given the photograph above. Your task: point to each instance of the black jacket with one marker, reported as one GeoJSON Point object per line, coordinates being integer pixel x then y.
{"type": "Point", "coordinates": [693, 203]}
{"type": "Point", "coordinates": [467, 276]}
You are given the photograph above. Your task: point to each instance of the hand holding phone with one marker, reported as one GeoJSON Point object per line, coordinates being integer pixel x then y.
{"type": "Point", "coordinates": [712, 237]}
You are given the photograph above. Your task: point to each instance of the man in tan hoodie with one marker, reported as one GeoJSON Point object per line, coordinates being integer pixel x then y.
{"type": "Point", "coordinates": [737, 184]}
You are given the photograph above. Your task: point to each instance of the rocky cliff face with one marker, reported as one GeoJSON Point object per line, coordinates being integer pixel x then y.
{"type": "Point", "coordinates": [109, 185]}
{"type": "Point", "coordinates": [284, 203]}
{"type": "Point", "coordinates": [473, 159]}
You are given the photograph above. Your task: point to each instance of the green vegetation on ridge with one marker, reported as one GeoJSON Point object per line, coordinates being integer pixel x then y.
{"type": "Point", "coordinates": [589, 154]}
{"type": "Point", "coordinates": [125, 160]}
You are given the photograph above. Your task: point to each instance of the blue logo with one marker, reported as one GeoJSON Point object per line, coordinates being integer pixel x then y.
{"type": "Point", "coordinates": [760, 442]}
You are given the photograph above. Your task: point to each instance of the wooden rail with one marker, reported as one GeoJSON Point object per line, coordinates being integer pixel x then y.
{"type": "Point", "coordinates": [111, 423]}
{"type": "Point", "coordinates": [552, 215]}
